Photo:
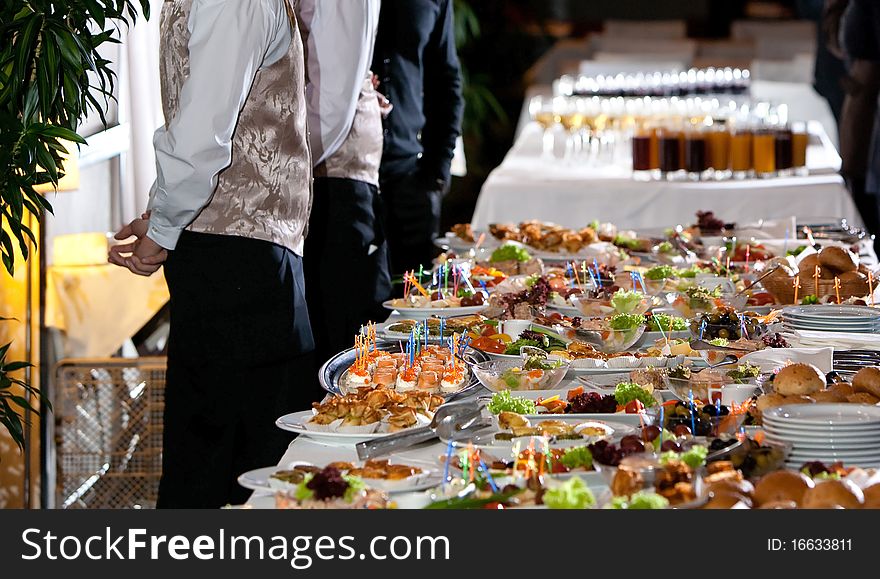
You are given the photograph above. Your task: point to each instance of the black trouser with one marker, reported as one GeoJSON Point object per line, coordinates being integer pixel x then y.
{"type": "Point", "coordinates": [413, 217]}
{"type": "Point", "coordinates": [239, 356]}
{"type": "Point", "coordinates": [346, 263]}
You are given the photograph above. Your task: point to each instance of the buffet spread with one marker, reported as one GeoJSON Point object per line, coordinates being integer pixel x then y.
{"type": "Point", "coordinates": [538, 366]}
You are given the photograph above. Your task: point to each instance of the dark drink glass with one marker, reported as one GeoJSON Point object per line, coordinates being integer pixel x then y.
{"type": "Point", "coordinates": [696, 155]}
{"type": "Point", "coordinates": [670, 153]}
{"type": "Point", "coordinates": [783, 150]}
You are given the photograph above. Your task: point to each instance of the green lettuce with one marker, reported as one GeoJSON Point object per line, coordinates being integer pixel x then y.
{"type": "Point", "coordinates": [626, 392]}
{"type": "Point", "coordinates": [510, 252]}
{"type": "Point", "coordinates": [572, 494]}
{"type": "Point", "coordinates": [625, 302]}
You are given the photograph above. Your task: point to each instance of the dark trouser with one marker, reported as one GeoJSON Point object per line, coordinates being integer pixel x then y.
{"type": "Point", "coordinates": [346, 263]}
{"type": "Point", "coordinates": [413, 217]}
{"type": "Point", "coordinates": [238, 358]}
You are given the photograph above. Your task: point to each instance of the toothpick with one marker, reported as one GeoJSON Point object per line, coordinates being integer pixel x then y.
{"type": "Point", "coordinates": [797, 285]}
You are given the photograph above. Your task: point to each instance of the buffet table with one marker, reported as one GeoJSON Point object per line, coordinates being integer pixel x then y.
{"type": "Point", "coordinates": [559, 192]}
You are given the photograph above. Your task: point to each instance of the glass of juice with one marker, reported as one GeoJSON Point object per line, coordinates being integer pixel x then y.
{"type": "Point", "coordinates": [764, 152]}
{"type": "Point", "coordinates": [782, 140]}
{"type": "Point", "coordinates": [800, 138]}
{"type": "Point", "coordinates": [670, 152]}
{"type": "Point", "coordinates": [740, 152]}
{"type": "Point", "coordinates": [645, 158]}
{"type": "Point", "coordinates": [541, 111]}
{"type": "Point", "coordinates": [696, 154]}
{"type": "Point", "coordinates": [718, 137]}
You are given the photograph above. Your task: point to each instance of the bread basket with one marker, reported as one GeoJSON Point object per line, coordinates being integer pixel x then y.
{"type": "Point", "coordinates": [782, 288]}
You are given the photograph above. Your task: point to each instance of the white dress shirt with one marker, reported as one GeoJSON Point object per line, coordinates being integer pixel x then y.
{"type": "Point", "coordinates": [341, 36]}
{"type": "Point", "coordinates": [230, 40]}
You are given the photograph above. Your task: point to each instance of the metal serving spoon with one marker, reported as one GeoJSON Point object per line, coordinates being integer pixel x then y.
{"type": "Point", "coordinates": [728, 359]}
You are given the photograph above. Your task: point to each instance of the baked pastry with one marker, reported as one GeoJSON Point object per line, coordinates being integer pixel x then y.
{"type": "Point", "coordinates": [872, 497]}
{"type": "Point", "coordinates": [862, 398]}
{"type": "Point", "coordinates": [782, 485]}
{"type": "Point", "coordinates": [728, 500]}
{"type": "Point", "coordinates": [779, 505]}
{"type": "Point", "coordinates": [867, 380]}
{"type": "Point", "coordinates": [837, 259]}
{"type": "Point", "coordinates": [807, 266]}
{"type": "Point", "coordinates": [832, 494]}
{"type": "Point", "coordinates": [766, 401]}
{"type": "Point", "coordinates": [798, 380]}
{"type": "Point", "coordinates": [841, 390]}
{"type": "Point", "coordinates": [827, 396]}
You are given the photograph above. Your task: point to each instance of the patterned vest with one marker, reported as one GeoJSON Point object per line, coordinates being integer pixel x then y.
{"type": "Point", "coordinates": [359, 155]}
{"type": "Point", "coordinates": [266, 193]}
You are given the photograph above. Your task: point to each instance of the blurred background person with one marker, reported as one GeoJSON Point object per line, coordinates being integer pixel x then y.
{"type": "Point", "coordinates": [854, 30]}
{"type": "Point", "coordinates": [346, 256]}
{"type": "Point", "coordinates": [419, 72]}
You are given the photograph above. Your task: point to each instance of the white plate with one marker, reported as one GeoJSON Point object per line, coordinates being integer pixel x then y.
{"type": "Point", "coordinates": [825, 311]}
{"type": "Point", "coordinates": [453, 241]}
{"type": "Point", "coordinates": [618, 430]}
{"type": "Point", "coordinates": [422, 313]}
{"type": "Point", "coordinates": [848, 430]}
{"type": "Point", "coordinates": [819, 444]}
{"type": "Point", "coordinates": [295, 421]}
{"type": "Point", "coordinates": [824, 456]}
{"type": "Point", "coordinates": [794, 465]}
{"type": "Point", "coordinates": [258, 480]}
{"type": "Point", "coordinates": [824, 415]}
{"type": "Point", "coordinates": [831, 437]}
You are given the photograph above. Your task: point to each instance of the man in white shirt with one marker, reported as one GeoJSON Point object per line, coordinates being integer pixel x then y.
{"type": "Point", "coordinates": [227, 218]}
{"type": "Point", "coordinates": [346, 259]}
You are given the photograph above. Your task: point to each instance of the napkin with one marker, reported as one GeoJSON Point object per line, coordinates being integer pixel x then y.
{"type": "Point", "coordinates": [839, 340]}
{"type": "Point", "coordinates": [770, 359]}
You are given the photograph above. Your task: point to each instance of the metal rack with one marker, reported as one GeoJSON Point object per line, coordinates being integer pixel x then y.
{"type": "Point", "coordinates": [107, 433]}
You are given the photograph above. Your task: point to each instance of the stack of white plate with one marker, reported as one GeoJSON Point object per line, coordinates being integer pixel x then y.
{"type": "Point", "coordinates": [832, 318]}
{"type": "Point", "coordinates": [827, 432]}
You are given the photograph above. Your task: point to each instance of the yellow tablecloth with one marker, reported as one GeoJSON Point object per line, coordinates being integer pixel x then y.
{"type": "Point", "coordinates": [98, 307]}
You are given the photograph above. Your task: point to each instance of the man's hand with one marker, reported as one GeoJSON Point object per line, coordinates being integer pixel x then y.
{"type": "Point", "coordinates": [385, 105]}
{"type": "Point", "coordinates": [143, 256]}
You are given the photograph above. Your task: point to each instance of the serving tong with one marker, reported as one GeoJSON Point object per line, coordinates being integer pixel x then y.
{"type": "Point", "coordinates": [452, 421]}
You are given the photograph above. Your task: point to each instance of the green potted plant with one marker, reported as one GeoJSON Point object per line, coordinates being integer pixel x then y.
{"type": "Point", "coordinates": [51, 75]}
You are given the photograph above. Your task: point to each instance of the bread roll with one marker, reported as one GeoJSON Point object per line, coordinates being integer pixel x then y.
{"type": "Point", "coordinates": [831, 494]}
{"type": "Point", "coordinates": [728, 500]}
{"type": "Point", "coordinates": [862, 398]}
{"type": "Point", "coordinates": [838, 259]}
{"type": "Point", "coordinates": [799, 400]}
{"type": "Point", "coordinates": [827, 396]}
{"type": "Point", "coordinates": [731, 485]}
{"type": "Point", "coordinates": [782, 485]}
{"type": "Point", "coordinates": [779, 505]}
{"type": "Point", "coordinates": [867, 380]}
{"type": "Point", "coordinates": [841, 390]}
{"type": "Point", "coordinates": [807, 266]}
{"type": "Point", "coordinates": [872, 497]}
{"type": "Point", "coordinates": [798, 380]}
{"type": "Point", "coordinates": [766, 401]}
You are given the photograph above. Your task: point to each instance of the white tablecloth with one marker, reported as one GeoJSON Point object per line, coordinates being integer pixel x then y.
{"type": "Point", "coordinates": [529, 186]}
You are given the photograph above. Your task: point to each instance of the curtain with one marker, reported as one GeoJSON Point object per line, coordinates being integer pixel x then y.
{"type": "Point", "coordinates": [140, 106]}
